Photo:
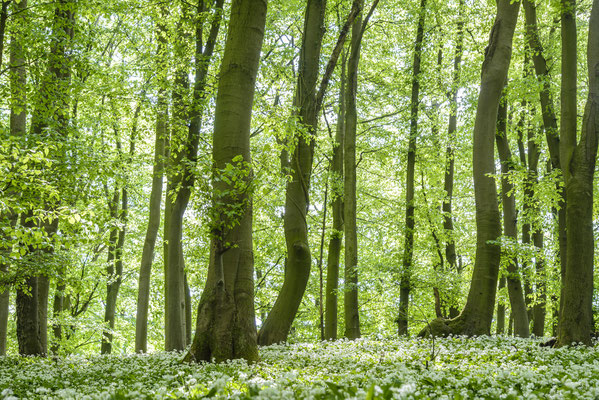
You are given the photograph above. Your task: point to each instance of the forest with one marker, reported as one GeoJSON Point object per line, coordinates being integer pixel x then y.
{"type": "Point", "coordinates": [299, 199]}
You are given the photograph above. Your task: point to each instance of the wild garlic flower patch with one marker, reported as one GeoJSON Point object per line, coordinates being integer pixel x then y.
{"type": "Point", "coordinates": [451, 368]}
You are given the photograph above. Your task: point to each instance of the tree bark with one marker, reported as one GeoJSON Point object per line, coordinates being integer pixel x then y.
{"type": "Point", "coordinates": [576, 317]}
{"type": "Point", "coordinates": [226, 326]}
{"type": "Point", "coordinates": [147, 256]}
{"type": "Point", "coordinates": [350, 293]}
{"type": "Point", "coordinates": [549, 123]}
{"type": "Point", "coordinates": [183, 155]}
{"type": "Point", "coordinates": [337, 211]}
{"type": "Point", "coordinates": [450, 252]}
{"type": "Point", "coordinates": [406, 272]}
{"type": "Point", "coordinates": [307, 103]}
{"type": "Point", "coordinates": [510, 227]}
{"type": "Point", "coordinates": [477, 315]}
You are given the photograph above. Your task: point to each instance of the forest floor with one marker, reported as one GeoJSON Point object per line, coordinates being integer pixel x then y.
{"type": "Point", "coordinates": [452, 368]}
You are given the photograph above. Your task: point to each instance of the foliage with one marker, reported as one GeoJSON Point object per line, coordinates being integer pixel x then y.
{"type": "Point", "coordinates": [374, 368]}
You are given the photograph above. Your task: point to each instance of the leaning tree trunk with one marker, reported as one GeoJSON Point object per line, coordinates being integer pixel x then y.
{"type": "Point", "coordinates": [226, 326]}
{"type": "Point", "coordinates": [405, 282]}
{"type": "Point", "coordinates": [147, 256]}
{"type": "Point", "coordinates": [576, 317]}
{"type": "Point", "coordinates": [307, 102]}
{"type": "Point", "coordinates": [330, 326]}
{"type": "Point", "coordinates": [477, 315]}
{"type": "Point", "coordinates": [510, 228]}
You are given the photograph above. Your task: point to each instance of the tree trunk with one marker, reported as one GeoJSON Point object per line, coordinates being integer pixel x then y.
{"type": "Point", "coordinates": [576, 317]}
{"type": "Point", "coordinates": [350, 293]}
{"type": "Point", "coordinates": [549, 123]}
{"type": "Point", "coordinates": [297, 266]}
{"type": "Point", "coordinates": [477, 315]}
{"type": "Point", "coordinates": [320, 270]}
{"type": "Point", "coordinates": [226, 326]}
{"type": "Point", "coordinates": [183, 156]}
{"type": "Point", "coordinates": [510, 226]}
{"type": "Point", "coordinates": [337, 211]}
{"type": "Point", "coordinates": [450, 252]}
{"type": "Point", "coordinates": [17, 126]}
{"type": "Point", "coordinates": [147, 256]}
{"type": "Point", "coordinates": [405, 282]}
{"type": "Point", "coordinates": [114, 270]}
{"type": "Point", "coordinates": [501, 310]}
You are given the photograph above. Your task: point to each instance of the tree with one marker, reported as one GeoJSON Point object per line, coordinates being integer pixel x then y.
{"type": "Point", "coordinates": [576, 317]}
{"type": "Point", "coordinates": [225, 327]}
{"type": "Point", "coordinates": [477, 315]}
{"type": "Point", "coordinates": [307, 104]}
{"type": "Point", "coordinates": [510, 228]}
{"type": "Point", "coordinates": [183, 150]}
{"type": "Point", "coordinates": [143, 297]}
{"type": "Point", "coordinates": [405, 283]}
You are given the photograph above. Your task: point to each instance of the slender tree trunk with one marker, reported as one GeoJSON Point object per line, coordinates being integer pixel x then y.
{"type": "Point", "coordinates": [350, 293]}
{"type": "Point", "coordinates": [18, 121]}
{"type": "Point", "coordinates": [450, 252]}
{"type": "Point", "coordinates": [510, 228]}
{"type": "Point", "coordinates": [307, 102]}
{"type": "Point", "coordinates": [183, 156]}
{"type": "Point", "coordinates": [501, 309]}
{"type": "Point", "coordinates": [477, 315]}
{"type": "Point", "coordinates": [337, 211]}
{"type": "Point", "coordinates": [405, 282]}
{"type": "Point", "coordinates": [226, 326]}
{"type": "Point", "coordinates": [147, 257]}
{"type": "Point", "coordinates": [576, 316]}
{"type": "Point", "coordinates": [320, 270]}
{"type": "Point", "coordinates": [549, 123]}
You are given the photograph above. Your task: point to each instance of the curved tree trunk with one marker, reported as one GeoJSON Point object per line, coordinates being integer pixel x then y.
{"type": "Point", "coordinates": [510, 227]}
{"type": "Point", "coordinates": [226, 326]}
{"type": "Point", "coordinates": [406, 272]}
{"type": "Point", "coordinates": [576, 317]}
{"type": "Point", "coordinates": [477, 315]}
{"type": "Point", "coordinates": [307, 102]}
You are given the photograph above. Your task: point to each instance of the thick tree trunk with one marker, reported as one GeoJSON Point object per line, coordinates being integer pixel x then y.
{"type": "Point", "coordinates": [330, 330]}
{"type": "Point", "coordinates": [350, 293]}
{"type": "Point", "coordinates": [510, 228]}
{"type": "Point", "coordinates": [226, 326]}
{"type": "Point", "coordinates": [147, 256]}
{"type": "Point", "coordinates": [450, 252]}
{"type": "Point", "coordinates": [405, 282]}
{"type": "Point", "coordinates": [477, 315]}
{"type": "Point", "coordinates": [181, 179]}
{"type": "Point", "coordinates": [576, 317]}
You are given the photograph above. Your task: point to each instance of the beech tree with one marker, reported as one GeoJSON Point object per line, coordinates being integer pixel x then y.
{"type": "Point", "coordinates": [226, 326]}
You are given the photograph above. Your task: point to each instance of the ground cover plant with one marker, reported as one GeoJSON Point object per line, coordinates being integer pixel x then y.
{"type": "Point", "coordinates": [373, 368]}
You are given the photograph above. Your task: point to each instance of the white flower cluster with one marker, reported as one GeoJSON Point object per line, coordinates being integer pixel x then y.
{"type": "Point", "coordinates": [451, 368]}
